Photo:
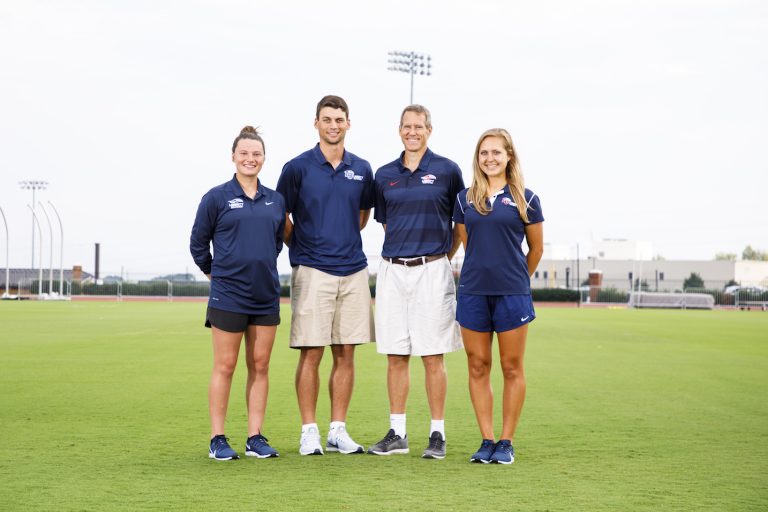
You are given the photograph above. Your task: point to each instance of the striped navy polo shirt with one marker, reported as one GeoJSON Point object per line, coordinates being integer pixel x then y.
{"type": "Point", "coordinates": [416, 206]}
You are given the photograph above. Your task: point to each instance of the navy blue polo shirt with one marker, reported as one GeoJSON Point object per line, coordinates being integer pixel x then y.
{"type": "Point", "coordinates": [417, 206]}
{"type": "Point", "coordinates": [494, 263]}
{"type": "Point", "coordinates": [325, 204]}
{"type": "Point", "coordinates": [247, 236]}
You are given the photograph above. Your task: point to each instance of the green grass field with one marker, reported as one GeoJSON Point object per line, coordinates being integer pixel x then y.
{"type": "Point", "coordinates": [103, 406]}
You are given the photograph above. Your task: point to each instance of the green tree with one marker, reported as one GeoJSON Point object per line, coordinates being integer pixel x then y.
{"type": "Point", "coordinates": [725, 256]}
{"type": "Point", "coordinates": [693, 281]}
{"type": "Point", "coordinates": [754, 254]}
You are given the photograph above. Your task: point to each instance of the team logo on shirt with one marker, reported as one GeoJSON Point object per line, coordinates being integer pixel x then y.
{"type": "Point", "coordinates": [429, 179]}
{"type": "Point", "coordinates": [350, 175]}
{"type": "Point", "coordinates": [508, 202]}
{"type": "Point", "coordinates": [235, 203]}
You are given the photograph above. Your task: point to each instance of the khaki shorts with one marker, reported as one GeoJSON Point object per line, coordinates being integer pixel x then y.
{"type": "Point", "coordinates": [416, 309]}
{"type": "Point", "coordinates": [329, 310]}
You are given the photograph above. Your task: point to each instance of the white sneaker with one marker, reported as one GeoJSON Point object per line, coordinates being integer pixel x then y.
{"type": "Point", "coordinates": [339, 441]}
{"type": "Point", "coordinates": [310, 442]}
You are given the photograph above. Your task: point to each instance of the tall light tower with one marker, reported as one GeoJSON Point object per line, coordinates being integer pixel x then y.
{"type": "Point", "coordinates": [61, 253]}
{"type": "Point", "coordinates": [50, 268]}
{"type": "Point", "coordinates": [412, 63]}
{"type": "Point", "coordinates": [40, 230]}
{"type": "Point", "coordinates": [33, 185]}
{"type": "Point", "coordinates": [7, 252]}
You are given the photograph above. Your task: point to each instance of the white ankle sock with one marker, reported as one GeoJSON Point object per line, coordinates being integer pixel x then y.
{"type": "Point", "coordinates": [306, 427]}
{"type": "Point", "coordinates": [337, 424]}
{"type": "Point", "coordinates": [437, 426]}
{"type": "Point", "coordinates": [397, 423]}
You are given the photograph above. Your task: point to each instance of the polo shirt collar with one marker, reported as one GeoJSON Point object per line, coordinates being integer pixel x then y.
{"type": "Point", "coordinates": [234, 187]}
{"type": "Point", "coordinates": [504, 191]}
{"type": "Point", "coordinates": [320, 157]}
{"type": "Point", "coordinates": [423, 164]}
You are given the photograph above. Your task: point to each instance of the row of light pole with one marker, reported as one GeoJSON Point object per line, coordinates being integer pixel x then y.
{"type": "Point", "coordinates": [7, 254]}
{"type": "Point", "coordinates": [61, 248]}
{"type": "Point", "coordinates": [35, 185]}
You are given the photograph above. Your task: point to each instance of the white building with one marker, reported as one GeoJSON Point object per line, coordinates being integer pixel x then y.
{"type": "Point", "coordinates": [658, 275]}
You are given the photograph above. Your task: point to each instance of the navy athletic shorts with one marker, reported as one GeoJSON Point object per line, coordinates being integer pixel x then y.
{"type": "Point", "coordinates": [494, 313]}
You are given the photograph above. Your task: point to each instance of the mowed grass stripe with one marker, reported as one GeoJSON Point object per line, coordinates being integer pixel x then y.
{"type": "Point", "coordinates": [104, 407]}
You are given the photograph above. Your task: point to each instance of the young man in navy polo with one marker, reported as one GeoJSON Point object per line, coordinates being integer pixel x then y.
{"type": "Point", "coordinates": [415, 290]}
{"type": "Point", "coordinates": [328, 193]}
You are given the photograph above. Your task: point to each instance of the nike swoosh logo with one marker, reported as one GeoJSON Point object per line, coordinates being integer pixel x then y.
{"type": "Point", "coordinates": [393, 183]}
{"type": "Point", "coordinates": [269, 203]}
{"type": "Point", "coordinates": [525, 318]}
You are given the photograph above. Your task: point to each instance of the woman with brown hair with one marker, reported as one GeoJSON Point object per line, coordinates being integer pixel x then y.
{"type": "Point", "coordinates": [244, 221]}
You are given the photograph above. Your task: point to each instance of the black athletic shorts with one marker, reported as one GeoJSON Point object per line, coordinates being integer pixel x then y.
{"type": "Point", "coordinates": [237, 322]}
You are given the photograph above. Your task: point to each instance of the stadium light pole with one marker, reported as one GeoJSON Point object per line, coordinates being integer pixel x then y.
{"type": "Point", "coordinates": [33, 185]}
{"type": "Point", "coordinates": [61, 250]}
{"type": "Point", "coordinates": [7, 253]}
{"type": "Point", "coordinates": [412, 63]}
{"type": "Point", "coordinates": [50, 261]}
{"type": "Point", "coordinates": [40, 232]}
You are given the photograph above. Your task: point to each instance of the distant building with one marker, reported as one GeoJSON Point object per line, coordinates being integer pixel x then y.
{"type": "Point", "coordinates": [654, 275]}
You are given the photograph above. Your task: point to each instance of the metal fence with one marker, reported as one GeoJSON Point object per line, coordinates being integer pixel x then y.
{"type": "Point", "coordinates": [748, 298]}
{"type": "Point", "coordinates": [740, 299]}
{"type": "Point", "coordinates": [32, 288]}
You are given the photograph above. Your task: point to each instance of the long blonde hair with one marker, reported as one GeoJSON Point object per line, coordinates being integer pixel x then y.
{"type": "Point", "coordinates": [478, 191]}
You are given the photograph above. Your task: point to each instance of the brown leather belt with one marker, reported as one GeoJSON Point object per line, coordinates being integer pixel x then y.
{"type": "Point", "coordinates": [415, 262]}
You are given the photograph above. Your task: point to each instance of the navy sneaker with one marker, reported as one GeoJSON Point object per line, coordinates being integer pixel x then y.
{"type": "Point", "coordinates": [504, 452]}
{"type": "Point", "coordinates": [257, 446]}
{"type": "Point", "coordinates": [485, 452]}
{"type": "Point", "coordinates": [220, 449]}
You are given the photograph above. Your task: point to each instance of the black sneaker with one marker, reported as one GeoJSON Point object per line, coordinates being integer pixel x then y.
{"type": "Point", "coordinates": [392, 443]}
{"type": "Point", "coordinates": [485, 452]}
{"type": "Point", "coordinates": [436, 448]}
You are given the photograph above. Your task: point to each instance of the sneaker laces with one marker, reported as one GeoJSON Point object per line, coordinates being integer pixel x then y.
{"type": "Point", "coordinates": [258, 440]}
{"type": "Point", "coordinates": [311, 435]}
{"type": "Point", "coordinates": [390, 437]}
{"type": "Point", "coordinates": [342, 434]}
{"type": "Point", "coordinates": [219, 442]}
{"type": "Point", "coordinates": [487, 444]}
{"type": "Point", "coordinates": [435, 443]}
{"type": "Point", "coordinates": [337, 433]}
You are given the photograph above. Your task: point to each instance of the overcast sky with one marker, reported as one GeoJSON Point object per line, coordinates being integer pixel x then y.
{"type": "Point", "coordinates": [644, 120]}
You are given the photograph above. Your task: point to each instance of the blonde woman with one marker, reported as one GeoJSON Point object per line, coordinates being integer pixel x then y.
{"type": "Point", "coordinates": [493, 216]}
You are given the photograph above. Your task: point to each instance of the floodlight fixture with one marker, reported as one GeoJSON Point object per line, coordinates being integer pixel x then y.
{"type": "Point", "coordinates": [412, 63]}
{"type": "Point", "coordinates": [33, 185]}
